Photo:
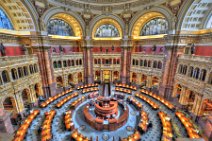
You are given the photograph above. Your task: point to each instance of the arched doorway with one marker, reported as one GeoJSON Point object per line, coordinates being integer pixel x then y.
{"type": "Point", "coordinates": [116, 75]}
{"type": "Point", "coordinates": [178, 91]}
{"type": "Point", "coordinates": [79, 77]}
{"type": "Point", "coordinates": [70, 79]}
{"type": "Point", "coordinates": [143, 80]}
{"type": "Point", "coordinates": [97, 76]}
{"type": "Point", "coordinates": [59, 81]}
{"type": "Point", "coordinates": [26, 98]}
{"type": "Point", "coordinates": [38, 90]}
{"type": "Point", "coordinates": [134, 77]}
{"type": "Point", "coordinates": [155, 82]}
{"type": "Point", "coordinates": [9, 104]}
{"type": "Point", "coordinates": [5, 76]}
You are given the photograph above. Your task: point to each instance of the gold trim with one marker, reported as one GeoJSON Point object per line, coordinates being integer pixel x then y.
{"type": "Point", "coordinates": [15, 32]}
{"type": "Point", "coordinates": [149, 37]}
{"type": "Point", "coordinates": [64, 37]}
{"type": "Point", "coordinates": [71, 21]}
{"type": "Point", "coordinates": [142, 20]}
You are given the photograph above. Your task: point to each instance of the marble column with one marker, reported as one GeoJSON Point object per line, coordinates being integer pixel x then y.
{"type": "Point", "coordinates": [125, 60]}
{"type": "Point", "coordinates": [196, 109]}
{"type": "Point", "coordinates": [169, 68]}
{"type": "Point", "coordinates": [88, 60]}
{"type": "Point", "coordinates": [42, 49]}
{"type": "Point", "coordinates": [182, 95]}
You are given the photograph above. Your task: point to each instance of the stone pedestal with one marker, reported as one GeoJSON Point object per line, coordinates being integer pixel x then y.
{"type": "Point", "coordinates": [5, 123]}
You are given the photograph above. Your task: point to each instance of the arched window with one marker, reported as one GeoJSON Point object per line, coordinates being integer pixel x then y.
{"type": "Point", "coordinates": [95, 61]}
{"type": "Point", "coordinates": [149, 63]}
{"type": "Point", "coordinates": [55, 64]}
{"type": "Point", "coordinates": [31, 69]}
{"type": "Point", "coordinates": [69, 63]}
{"type": "Point", "coordinates": [35, 67]}
{"type": "Point", "coordinates": [5, 76]}
{"type": "Point", "coordinates": [191, 71]}
{"type": "Point", "coordinates": [141, 62]}
{"type": "Point", "coordinates": [59, 27]}
{"type": "Point", "coordinates": [4, 20]}
{"type": "Point", "coordinates": [73, 64]}
{"type": "Point", "coordinates": [180, 69]}
{"type": "Point", "coordinates": [155, 64]}
{"type": "Point", "coordinates": [184, 69]}
{"type": "Point", "coordinates": [77, 62]}
{"type": "Point", "coordinates": [64, 63]}
{"type": "Point", "coordinates": [203, 75]}
{"type": "Point", "coordinates": [26, 72]}
{"type": "Point", "coordinates": [159, 65]}
{"type": "Point", "coordinates": [114, 61]}
{"type": "Point", "coordinates": [20, 72]}
{"type": "Point", "coordinates": [154, 27]}
{"type": "Point", "coordinates": [136, 62]}
{"type": "Point", "coordinates": [80, 62]}
{"type": "Point", "coordinates": [145, 63]}
{"type": "Point", "coordinates": [99, 61]}
{"type": "Point", "coordinates": [118, 61]}
{"type": "Point", "coordinates": [59, 64]}
{"type": "Point", "coordinates": [14, 74]}
{"type": "Point", "coordinates": [107, 30]}
{"type": "Point", "coordinates": [196, 73]}
{"type": "Point", "coordinates": [133, 62]}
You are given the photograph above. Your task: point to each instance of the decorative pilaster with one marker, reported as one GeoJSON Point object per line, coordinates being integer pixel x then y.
{"type": "Point", "coordinates": [88, 60]}
{"type": "Point", "coordinates": [125, 60]}
{"type": "Point", "coordinates": [170, 65]}
{"type": "Point", "coordinates": [41, 48]}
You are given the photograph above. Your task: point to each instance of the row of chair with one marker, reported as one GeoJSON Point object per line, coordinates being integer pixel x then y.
{"type": "Point", "coordinates": [87, 86]}
{"type": "Point", "coordinates": [126, 86]}
{"type": "Point", "coordinates": [77, 136]}
{"type": "Point", "coordinates": [134, 102]}
{"type": "Point", "coordinates": [21, 132]}
{"type": "Point", "coordinates": [159, 98]}
{"type": "Point", "coordinates": [69, 124]}
{"type": "Point", "coordinates": [87, 90]}
{"type": "Point", "coordinates": [167, 134]}
{"type": "Point", "coordinates": [46, 132]}
{"type": "Point", "coordinates": [53, 98]}
{"type": "Point", "coordinates": [66, 99]}
{"type": "Point", "coordinates": [144, 121]}
{"type": "Point", "coordinates": [123, 90]}
{"type": "Point", "coordinates": [134, 137]}
{"type": "Point", "coordinates": [189, 126]}
{"type": "Point", "coordinates": [148, 100]}
{"type": "Point", "coordinates": [77, 102]}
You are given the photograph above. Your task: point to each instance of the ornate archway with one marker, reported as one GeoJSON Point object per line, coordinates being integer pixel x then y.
{"type": "Point", "coordinates": [9, 104]}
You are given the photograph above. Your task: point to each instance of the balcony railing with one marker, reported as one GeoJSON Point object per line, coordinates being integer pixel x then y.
{"type": "Point", "coordinates": [196, 58]}
{"type": "Point", "coordinates": [13, 60]}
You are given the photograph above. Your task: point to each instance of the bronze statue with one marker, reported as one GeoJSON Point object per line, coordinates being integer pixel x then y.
{"type": "Point", "coordinates": [2, 50]}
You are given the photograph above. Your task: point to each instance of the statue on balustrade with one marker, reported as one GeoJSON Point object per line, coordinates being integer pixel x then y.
{"type": "Point", "coordinates": [2, 50]}
{"type": "Point", "coordinates": [192, 49]}
{"type": "Point", "coordinates": [61, 48]}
